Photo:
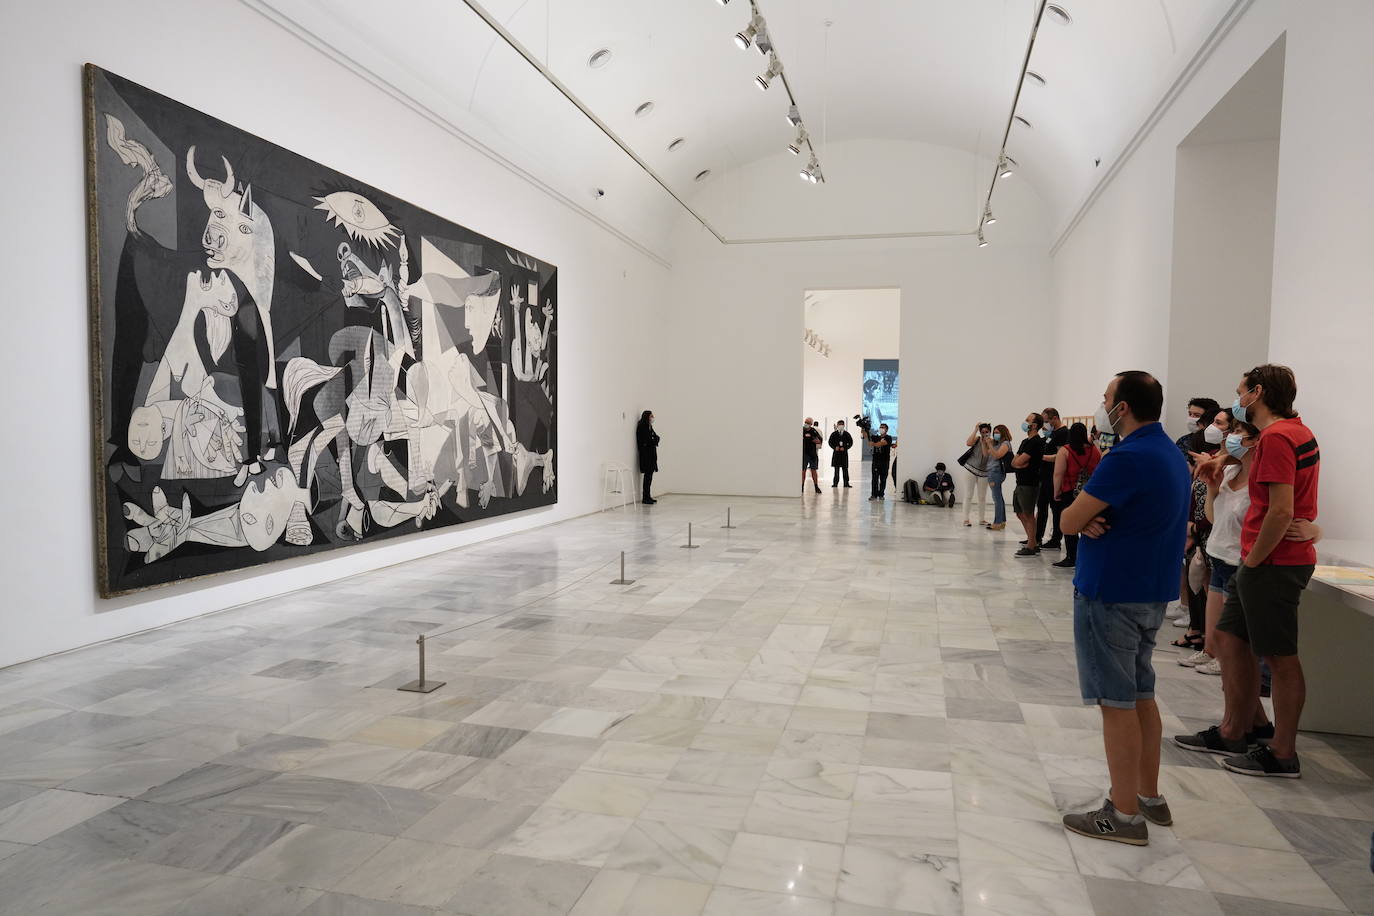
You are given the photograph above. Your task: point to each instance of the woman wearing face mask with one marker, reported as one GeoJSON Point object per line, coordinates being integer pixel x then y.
{"type": "Point", "coordinates": [1073, 465]}
{"type": "Point", "coordinates": [975, 462]}
{"type": "Point", "coordinates": [1227, 501]}
{"type": "Point", "coordinates": [1201, 445]}
{"type": "Point", "coordinates": [999, 464]}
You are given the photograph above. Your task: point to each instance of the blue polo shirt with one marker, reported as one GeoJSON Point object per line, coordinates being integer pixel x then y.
{"type": "Point", "coordinates": [1145, 481]}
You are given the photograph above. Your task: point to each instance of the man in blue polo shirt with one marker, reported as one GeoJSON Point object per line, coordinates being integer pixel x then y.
{"type": "Point", "coordinates": [1133, 515]}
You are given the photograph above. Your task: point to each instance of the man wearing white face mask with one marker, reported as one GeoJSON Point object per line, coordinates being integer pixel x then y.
{"type": "Point", "coordinates": [1133, 515]}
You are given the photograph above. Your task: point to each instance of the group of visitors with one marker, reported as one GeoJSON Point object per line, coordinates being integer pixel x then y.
{"type": "Point", "coordinates": [841, 443]}
{"type": "Point", "coordinates": [1050, 466]}
{"type": "Point", "coordinates": [1240, 502]}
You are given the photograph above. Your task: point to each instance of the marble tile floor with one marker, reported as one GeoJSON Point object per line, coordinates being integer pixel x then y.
{"type": "Point", "coordinates": [839, 708]}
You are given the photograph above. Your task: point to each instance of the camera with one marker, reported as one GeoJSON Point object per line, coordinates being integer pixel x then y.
{"type": "Point", "coordinates": [863, 422]}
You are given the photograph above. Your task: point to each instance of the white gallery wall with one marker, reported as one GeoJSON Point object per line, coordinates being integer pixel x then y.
{"type": "Point", "coordinates": [231, 62]}
{"type": "Point", "coordinates": [1222, 268]}
{"type": "Point", "coordinates": [1112, 273]}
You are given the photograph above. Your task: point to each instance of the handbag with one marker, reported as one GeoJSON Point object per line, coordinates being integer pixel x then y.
{"type": "Point", "coordinates": [963, 459]}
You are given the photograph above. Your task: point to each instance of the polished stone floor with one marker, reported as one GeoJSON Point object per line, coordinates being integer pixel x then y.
{"type": "Point", "coordinates": [839, 707]}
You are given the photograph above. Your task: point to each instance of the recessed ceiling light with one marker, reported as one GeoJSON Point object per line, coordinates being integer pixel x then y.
{"type": "Point", "coordinates": [676, 144]}
{"type": "Point", "coordinates": [1060, 14]}
{"type": "Point", "coordinates": [599, 59]}
{"type": "Point", "coordinates": [1022, 121]}
{"type": "Point", "coordinates": [1035, 77]}
{"type": "Point", "coordinates": [643, 111]}
{"type": "Point", "coordinates": [703, 175]}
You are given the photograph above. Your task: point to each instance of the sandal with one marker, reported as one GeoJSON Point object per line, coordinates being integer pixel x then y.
{"type": "Point", "coordinates": [1192, 641]}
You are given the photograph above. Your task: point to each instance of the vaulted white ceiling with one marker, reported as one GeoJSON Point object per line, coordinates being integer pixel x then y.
{"type": "Point", "coordinates": [905, 100]}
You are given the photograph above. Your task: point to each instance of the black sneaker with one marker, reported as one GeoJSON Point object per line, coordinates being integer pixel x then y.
{"type": "Point", "coordinates": [1050, 545]}
{"type": "Point", "coordinates": [1065, 563]}
{"type": "Point", "coordinates": [1025, 552]}
{"type": "Point", "coordinates": [1106, 824]}
{"type": "Point", "coordinates": [1262, 761]}
{"type": "Point", "coordinates": [1210, 741]}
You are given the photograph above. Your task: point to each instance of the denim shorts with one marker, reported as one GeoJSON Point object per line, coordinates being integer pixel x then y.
{"type": "Point", "coordinates": [1114, 644]}
{"type": "Point", "coordinates": [1221, 575]}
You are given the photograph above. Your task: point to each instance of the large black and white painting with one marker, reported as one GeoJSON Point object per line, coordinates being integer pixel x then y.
{"type": "Point", "coordinates": [287, 360]}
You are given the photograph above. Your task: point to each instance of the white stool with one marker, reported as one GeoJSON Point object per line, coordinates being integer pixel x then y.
{"type": "Point", "coordinates": [617, 479]}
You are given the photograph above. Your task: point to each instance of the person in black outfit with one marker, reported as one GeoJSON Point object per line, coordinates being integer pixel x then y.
{"type": "Point", "coordinates": [647, 440]}
{"type": "Point", "coordinates": [882, 454]}
{"type": "Point", "coordinates": [811, 456]}
{"type": "Point", "coordinates": [840, 444]}
{"type": "Point", "coordinates": [939, 487]}
{"type": "Point", "coordinates": [1056, 436]}
{"type": "Point", "coordinates": [1023, 499]}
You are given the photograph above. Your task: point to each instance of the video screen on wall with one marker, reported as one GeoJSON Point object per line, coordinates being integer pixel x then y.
{"type": "Point", "coordinates": [880, 395]}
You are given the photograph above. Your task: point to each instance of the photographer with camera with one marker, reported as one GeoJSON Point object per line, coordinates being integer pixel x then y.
{"type": "Point", "coordinates": [975, 461]}
{"type": "Point", "coordinates": [882, 457]}
{"type": "Point", "coordinates": [840, 444]}
{"type": "Point", "coordinates": [811, 456]}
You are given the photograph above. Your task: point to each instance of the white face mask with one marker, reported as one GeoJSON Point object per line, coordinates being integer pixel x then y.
{"type": "Point", "coordinates": [1192, 424]}
{"type": "Point", "coordinates": [1213, 435]}
{"type": "Point", "coordinates": [1103, 419]}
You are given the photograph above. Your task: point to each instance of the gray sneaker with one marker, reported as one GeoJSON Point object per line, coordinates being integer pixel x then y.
{"type": "Point", "coordinates": [1158, 813]}
{"type": "Point", "coordinates": [1106, 824]}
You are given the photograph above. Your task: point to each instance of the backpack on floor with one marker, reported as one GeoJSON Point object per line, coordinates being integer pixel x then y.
{"type": "Point", "coordinates": [910, 492]}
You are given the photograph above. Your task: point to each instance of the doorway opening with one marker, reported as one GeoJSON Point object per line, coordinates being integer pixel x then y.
{"type": "Point", "coordinates": [1225, 197]}
{"type": "Point", "coordinates": [850, 369]}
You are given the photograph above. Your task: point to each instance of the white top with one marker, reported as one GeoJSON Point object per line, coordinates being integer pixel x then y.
{"type": "Point", "coordinates": [1228, 514]}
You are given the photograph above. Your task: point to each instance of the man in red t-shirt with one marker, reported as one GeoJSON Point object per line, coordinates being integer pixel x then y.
{"type": "Point", "coordinates": [1278, 555]}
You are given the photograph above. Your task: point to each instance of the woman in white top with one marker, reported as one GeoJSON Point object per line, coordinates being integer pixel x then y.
{"type": "Point", "coordinates": [1227, 502]}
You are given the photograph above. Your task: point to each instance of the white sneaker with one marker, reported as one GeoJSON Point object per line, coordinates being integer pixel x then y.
{"type": "Point", "coordinates": [1181, 621]}
{"type": "Point", "coordinates": [1176, 611]}
{"type": "Point", "coordinates": [1211, 667]}
{"type": "Point", "coordinates": [1197, 658]}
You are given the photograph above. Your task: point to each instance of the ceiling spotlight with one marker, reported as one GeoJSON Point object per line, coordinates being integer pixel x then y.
{"type": "Point", "coordinates": [812, 172]}
{"type": "Point", "coordinates": [1023, 122]}
{"type": "Point", "coordinates": [982, 242]}
{"type": "Point", "coordinates": [988, 218]}
{"type": "Point", "coordinates": [676, 145]}
{"type": "Point", "coordinates": [643, 111]}
{"type": "Point", "coordinates": [773, 72]}
{"type": "Point", "coordinates": [702, 175]}
{"type": "Point", "coordinates": [1003, 166]}
{"type": "Point", "coordinates": [1035, 77]}
{"type": "Point", "coordinates": [599, 59]}
{"type": "Point", "coordinates": [744, 39]}
{"type": "Point", "coordinates": [797, 145]}
{"type": "Point", "coordinates": [794, 115]}
{"type": "Point", "coordinates": [1060, 14]}
{"type": "Point", "coordinates": [722, 2]}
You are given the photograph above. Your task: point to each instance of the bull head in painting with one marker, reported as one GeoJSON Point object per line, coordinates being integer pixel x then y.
{"type": "Point", "coordinates": [238, 237]}
{"type": "Point", "coordinates": [228, 236]}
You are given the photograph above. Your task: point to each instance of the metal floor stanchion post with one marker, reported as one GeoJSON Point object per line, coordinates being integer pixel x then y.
{"type": "Point", "coordinates": [421, 685]}
{"type": "Point", "coordinates": [622, 580]}
{"type": "Point", "coordinates": [689, 545]}
{"type": "Point", "coordinates": [727, 519]}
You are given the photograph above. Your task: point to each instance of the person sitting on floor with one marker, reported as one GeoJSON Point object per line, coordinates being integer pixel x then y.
{"type": "Point", "coordinates": [939, 487]}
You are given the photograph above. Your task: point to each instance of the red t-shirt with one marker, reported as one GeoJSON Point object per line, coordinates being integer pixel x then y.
{"type": "Point", "coordinates": [1287, 453]}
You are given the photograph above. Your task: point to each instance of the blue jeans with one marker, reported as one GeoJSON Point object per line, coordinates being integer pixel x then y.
{"type": "Point", "coordinates": [996, 476]}
{"type": "Point", "coordinates": [1114, 643]}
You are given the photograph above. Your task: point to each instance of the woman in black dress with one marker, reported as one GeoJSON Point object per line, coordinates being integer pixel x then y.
{"type": "Point", "coordinates": [647, 440]}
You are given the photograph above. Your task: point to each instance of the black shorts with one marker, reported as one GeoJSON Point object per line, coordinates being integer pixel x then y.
{"type": "Point", "coordinates": [1262, 607]}
{"type": "Point", "coordinates": [810, 462]}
